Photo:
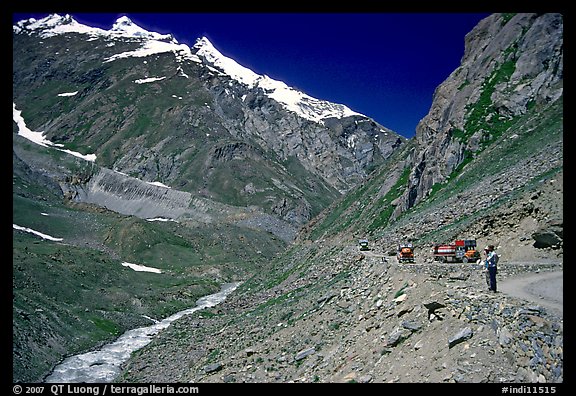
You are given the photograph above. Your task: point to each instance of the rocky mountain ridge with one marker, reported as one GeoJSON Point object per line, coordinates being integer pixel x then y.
{"type": "Point", "coordinates": [173, 112]}
{"type": "Point", "coordinates": [131, 147]}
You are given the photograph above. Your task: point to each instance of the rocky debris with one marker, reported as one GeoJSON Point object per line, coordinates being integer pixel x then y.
{"type": "Point", "coordinates": [442, 330]}
{"type": "Point", "coordinates": [548, 237]}
{"type": "Point", "coordinates": [458, 276]}
{"type": "Point", "coordinates": [131, 196]}
{"type": "Point", "coordinates": [127, 195]}
{"type": "Point", "coordinates": [262, 221]}
{"type": "Point", "coordinates": [212, 368]}
{"type": "Point", "coordinates": [302, 354]}
{"type": "Point", "coordinates": [463, 335]}
{"type": "Point", "coordinates": [411, 325]}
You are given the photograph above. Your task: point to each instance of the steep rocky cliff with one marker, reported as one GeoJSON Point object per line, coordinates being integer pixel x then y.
{"type": "Point", "coordinates": [512, 63]}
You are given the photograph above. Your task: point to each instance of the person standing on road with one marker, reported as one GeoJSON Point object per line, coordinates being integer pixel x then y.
{"type": "Point", "coordinates": [490, 264]}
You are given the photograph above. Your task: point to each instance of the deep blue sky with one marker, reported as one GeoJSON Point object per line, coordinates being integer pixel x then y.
{"type": "Point", "coordinates": [383, 65]}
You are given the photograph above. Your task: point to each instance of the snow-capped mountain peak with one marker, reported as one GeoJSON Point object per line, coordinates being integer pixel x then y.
{"type": "Point", "coordinates": [125, 24]}
{"type": "Point", "coordinates": [125, 27]}
{"type": "Point", "coordinates": [293, 100]}
{"type": "Point", "coordinates": [207, 51]}
{"type": "Point", "coordinates": [51, 25]}
{"type": "Point", "coordinates": [55, 24]}
{"type": "Point", "coordinates": [304, 105]}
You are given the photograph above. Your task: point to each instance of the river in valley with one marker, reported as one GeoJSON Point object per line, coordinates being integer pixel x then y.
{"type": "Point", "coordinates": [103, 365]}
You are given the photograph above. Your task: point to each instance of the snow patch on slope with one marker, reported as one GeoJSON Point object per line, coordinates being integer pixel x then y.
{"type": "Point", "coordinates": [31, 231]}
{"type": "Point", "coordinates": [38, 137]}
{"type": "Point", "coordinates": [141, 268]}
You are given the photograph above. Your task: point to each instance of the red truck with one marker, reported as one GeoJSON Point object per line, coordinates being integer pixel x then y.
{"type": "Point", "coordinates": [461, 251]}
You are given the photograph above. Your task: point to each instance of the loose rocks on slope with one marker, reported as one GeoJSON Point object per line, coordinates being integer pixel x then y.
{"type": "Point", "coordinates": [370, 321]}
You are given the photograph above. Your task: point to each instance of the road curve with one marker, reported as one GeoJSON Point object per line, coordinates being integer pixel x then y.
{"type": "Point", "coordinates": [543, 288]}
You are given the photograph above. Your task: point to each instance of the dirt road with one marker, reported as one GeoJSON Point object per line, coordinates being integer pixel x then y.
{"type": "Point", "coordinates": [544, 288]}
{"type": "Point", "coordinates": [541, 288]}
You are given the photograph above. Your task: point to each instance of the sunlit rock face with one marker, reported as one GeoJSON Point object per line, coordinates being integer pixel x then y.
{"type": "Point", "coordinates": [512, 63]}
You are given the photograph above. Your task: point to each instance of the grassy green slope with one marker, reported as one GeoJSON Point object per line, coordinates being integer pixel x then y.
{"type": "Point", "coordinates": [71, 295]}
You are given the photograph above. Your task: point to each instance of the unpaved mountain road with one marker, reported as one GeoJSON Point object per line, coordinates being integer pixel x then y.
{"type": "Point", "coordinates": [543, 288]}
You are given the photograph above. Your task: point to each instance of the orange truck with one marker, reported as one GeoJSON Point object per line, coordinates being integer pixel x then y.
{"type": "Point", "coordinates": [461, 251]}
{"type": "Point", "coordinates": [405, 253]}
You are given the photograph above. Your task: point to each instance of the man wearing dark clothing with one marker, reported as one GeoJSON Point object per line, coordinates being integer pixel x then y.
{"type": "Point", "coordinates": [490, 265]}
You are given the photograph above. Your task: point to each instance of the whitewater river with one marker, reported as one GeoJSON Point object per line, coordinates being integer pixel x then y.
{"type": "Point", "coordinates": [103, 365]}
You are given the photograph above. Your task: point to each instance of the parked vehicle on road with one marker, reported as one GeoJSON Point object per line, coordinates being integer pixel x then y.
{"type": "Point", "coordinates": [405, 253]}
{"type": "Point", "coordinates": [460, 251]}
